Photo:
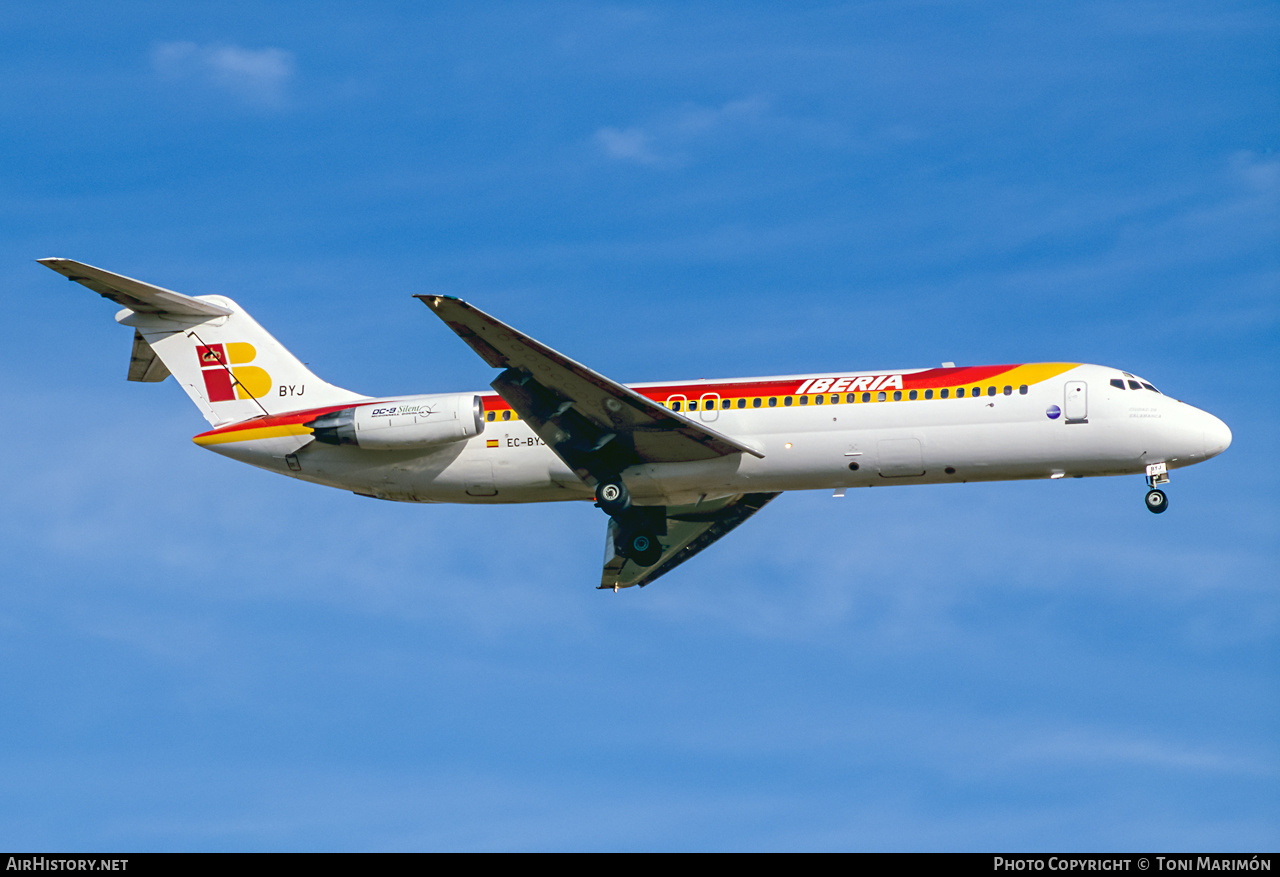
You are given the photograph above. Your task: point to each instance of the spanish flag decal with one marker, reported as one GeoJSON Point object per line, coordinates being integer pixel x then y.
{"type": "Point", "coordinates": [491, 443]}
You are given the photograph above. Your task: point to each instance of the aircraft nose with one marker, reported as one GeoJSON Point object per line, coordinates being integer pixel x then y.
{"type": "Point", "coordinates": [1217, 436]}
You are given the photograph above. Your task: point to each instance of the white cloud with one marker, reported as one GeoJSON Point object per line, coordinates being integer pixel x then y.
{"type": "Point", "coordinates": [628, 144]}
{"type": "Point", "coordinates": [259, 76]}
{"type": "Point", "coordinates": [1259, 174]}
{"type": "Point", "coordinates": [667, 138]}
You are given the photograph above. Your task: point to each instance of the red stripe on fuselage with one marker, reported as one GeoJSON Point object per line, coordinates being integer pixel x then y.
{"type": "Point", "coordinates": [921, 380]}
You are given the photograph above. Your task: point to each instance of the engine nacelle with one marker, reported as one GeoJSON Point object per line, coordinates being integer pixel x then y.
{"type": "Point", "coordinates": [417, 422]}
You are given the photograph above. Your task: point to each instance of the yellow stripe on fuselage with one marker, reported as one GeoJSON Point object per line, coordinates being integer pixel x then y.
{"type": "Point", "coordinates": [248, 435]}
{"type": "Point", "coordinates": [1033, 373]}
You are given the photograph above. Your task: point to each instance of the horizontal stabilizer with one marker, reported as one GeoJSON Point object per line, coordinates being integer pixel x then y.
{"type": "Point", "coordinates": [144, 365]}
{"type": "Point", "coordinates": [139, 297]}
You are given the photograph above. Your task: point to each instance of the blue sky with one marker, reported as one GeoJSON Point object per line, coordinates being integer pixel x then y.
{"type": "Point", "coordinates": [198, 655]}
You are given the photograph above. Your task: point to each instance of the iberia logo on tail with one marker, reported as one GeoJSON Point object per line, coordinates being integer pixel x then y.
{"type": "Point", "coordinates": [227, 375]}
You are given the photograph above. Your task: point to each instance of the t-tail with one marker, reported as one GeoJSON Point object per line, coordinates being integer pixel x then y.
{"type": "Point", "coordinates": [231, 367]}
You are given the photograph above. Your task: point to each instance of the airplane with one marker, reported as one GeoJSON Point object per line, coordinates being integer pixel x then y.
{"type": "Point", "coordinates": [675, 466]}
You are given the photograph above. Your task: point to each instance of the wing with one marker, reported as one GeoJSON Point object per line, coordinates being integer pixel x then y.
{"type": "Point", "coordinates": [689, 529]}
{"type": "Point", "coordinates": [597, 426]}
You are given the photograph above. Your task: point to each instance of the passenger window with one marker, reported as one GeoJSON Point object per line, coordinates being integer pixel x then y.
{"type": "Point", "coordinates": [991, 391]}
{"type": "Point", "coordinates": [804, 400]}
{"type": "Point", "coordinates": [755, 403]}
{"type": "Point", "coordinates": [1022, 391]}
{"type": "Point", "coordinates": [491, 415]}
{"type": "Point", "coordinates": [1117, 383]}
{"type": "Point", "coordinates": [866, 397]}
{"type": "Point", "coordinates": [943, 394]}
{"type": "Point", "coordinates": [976, 391]}
{"type": "Point", "coordinates": [506, 415]}
{"type": "Point", "coordinates": [1008, 391]}
{"type": "Point", "coordinates": [819, 399]}
{"type": "Point", "coordinates": [960, 393]}
{"type": "Point", "coordinates": [773, 401]}
{"type": "Point", "coordinates": [911, 395]}
{"type": "Point", "coordinates": [742, 403]}
{"type": "Point", "coordinates": [880, 397]}
{"type": "Point", "coordinates": [787, 401]}
{"type": "Point", "coordinates": [835, 397]}
{"type": "Point", "coordinates": [928, 394]}
{"type": "Point", "coordinates": [1134, 385]}
{"type": "Point", "coordinates": [675, 406]}
{"type": "Point", "coordinates": [693, 404]}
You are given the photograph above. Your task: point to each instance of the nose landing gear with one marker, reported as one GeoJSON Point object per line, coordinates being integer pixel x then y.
{"type": "Point", "coordinates": [1157, 502]}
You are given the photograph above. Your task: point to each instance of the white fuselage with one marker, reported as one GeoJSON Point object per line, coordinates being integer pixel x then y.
{"type": "Point", "coordinates": [1014, 433]}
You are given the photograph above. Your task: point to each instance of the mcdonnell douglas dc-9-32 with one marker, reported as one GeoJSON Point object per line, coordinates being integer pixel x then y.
{"type": "Point", "coordinates": [675, 466]}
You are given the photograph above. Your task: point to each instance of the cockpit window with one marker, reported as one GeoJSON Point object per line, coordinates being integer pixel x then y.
{"type": "Point", "coordinates": [1147, 386]}
{"type": "Point", "coordinates": [1117, 383]}
{"type": "Point", "coordinates": [1134, 385]}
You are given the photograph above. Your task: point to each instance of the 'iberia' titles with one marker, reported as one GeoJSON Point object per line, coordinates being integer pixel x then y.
{"type": "Point", "coordinates": [869, 383]}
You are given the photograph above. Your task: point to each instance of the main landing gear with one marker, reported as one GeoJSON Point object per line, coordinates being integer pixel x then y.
{"type": "Point", "coordinates": [641, 546]}
{"type": "Point", "coordinates": [636, 537]}
{"type": "Point", "coordinates": [1157, 502]}
{"type": "Point", "coordinates": [612, 497]}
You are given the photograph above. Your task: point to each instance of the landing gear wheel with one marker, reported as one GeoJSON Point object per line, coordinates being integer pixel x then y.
{"type": "Point", "coordinates": [643, 548]}
{"type": "Point", "coordinates": [613, 497]}
{"type": "Point", "coordinates": [1157, 502]}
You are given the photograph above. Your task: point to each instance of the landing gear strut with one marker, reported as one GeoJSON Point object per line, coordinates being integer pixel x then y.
{"type": "Point", "coordinates": [1157, 502]}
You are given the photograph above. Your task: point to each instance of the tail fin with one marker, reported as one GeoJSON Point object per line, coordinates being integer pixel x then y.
{"type": "Point", "coordinates": [229, 365]}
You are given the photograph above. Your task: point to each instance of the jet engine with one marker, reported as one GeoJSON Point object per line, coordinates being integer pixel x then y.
{"type": "Point", "coordinates": [417, 422]}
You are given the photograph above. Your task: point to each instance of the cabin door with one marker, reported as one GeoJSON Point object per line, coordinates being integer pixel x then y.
{"type": "Point", "coordinates": [1075, 406]}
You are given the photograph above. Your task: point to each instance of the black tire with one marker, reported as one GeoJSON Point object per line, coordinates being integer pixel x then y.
{"type": "Point", "coordinates": [613, 497]}
{"type": "Point", "coordinates": [1157, 502]}
{"type": "Point", "coordinates": [643, 547]}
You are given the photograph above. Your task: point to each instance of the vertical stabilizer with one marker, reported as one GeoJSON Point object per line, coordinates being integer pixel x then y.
{"type": "Point", "coordinates": [231, 367]}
